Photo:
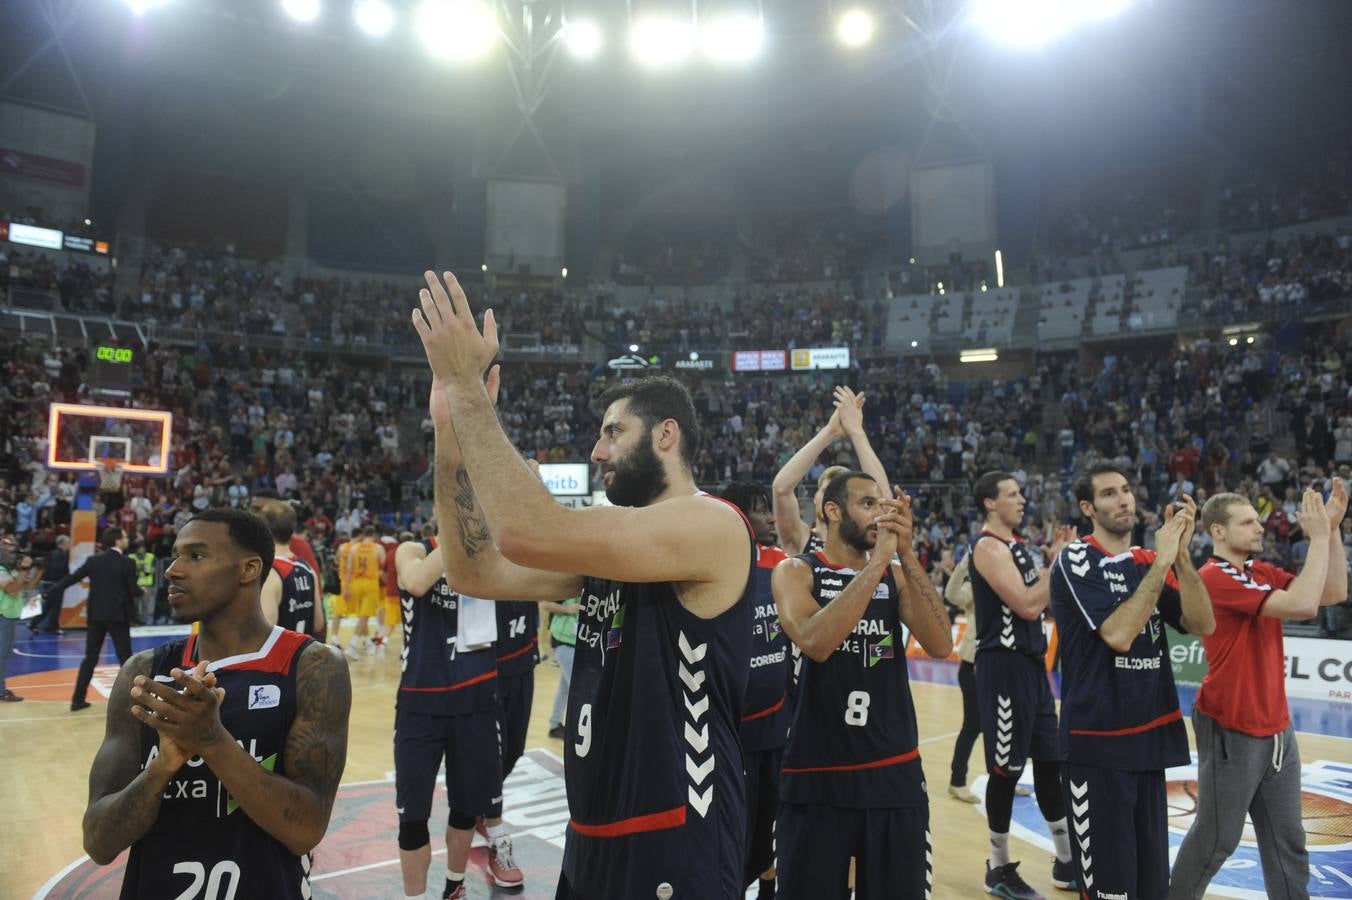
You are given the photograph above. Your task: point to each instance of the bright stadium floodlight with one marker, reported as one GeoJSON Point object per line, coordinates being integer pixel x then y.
{"type": "Point", "coordinates": [583, 38]}
{"type": "Point", "coordinates": [457, 30]}
{"type": "Point", "coordinates": [373, 17]}
{"type": "Point", "coordinates": [732, 38]}
{"type": "Point", "coordinates": [141, 7]}
{"type": "Point", "coordinates": [303, 11]}
{"type": "Point", "coordinates": [1034, 23]}
{"type": "Point", "coordinates": [855, 27]}
{"type": "Point", "coordinates": [661, 40]}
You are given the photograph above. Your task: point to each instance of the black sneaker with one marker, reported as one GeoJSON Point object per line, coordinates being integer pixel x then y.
{"type": "Point", "coordinates": [77, 705]}
{"type": "Point", "coordinates": [1006, 882]}
{"type": "Point", "coordinates": [1064, 875]}
{"type": "Point", "coordinates": [8, 696]}
{"type": "Point", "coordinates": [556, 732]}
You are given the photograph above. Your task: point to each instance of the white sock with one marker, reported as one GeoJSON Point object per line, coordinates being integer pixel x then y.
{"type": "Point", "coordinates": [1061, 838]}
{"type": "Point", "coordinates": [496, 832]}
{"type": "Point", "coordinates": [999, 849]}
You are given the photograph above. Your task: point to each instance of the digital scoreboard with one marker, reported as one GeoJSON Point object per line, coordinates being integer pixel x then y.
{"type": "Point", "coordinates": [110, 375]}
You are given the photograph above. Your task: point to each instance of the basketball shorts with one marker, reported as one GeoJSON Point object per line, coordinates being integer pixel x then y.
{"type": "Point", "coordinates": [469, 745]}
{"type": "Point", "coordinates": [1119, 831]}
{"type": "Point", "coordinates": [393, 616]}
{"type": "Point", "coordinates": [891, 848]}
{"type": "Point", "coordinates": [762, 804]}
{"type": "Point", "coordinates": [515, 693]}
{"type": "Point", "coordinates": [1018, 717]}
{"type": "Point", "coordinates": [364, 598]}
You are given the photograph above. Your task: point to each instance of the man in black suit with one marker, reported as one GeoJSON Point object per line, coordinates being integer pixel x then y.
{"type": "Point", "coordinates": [112, 589]}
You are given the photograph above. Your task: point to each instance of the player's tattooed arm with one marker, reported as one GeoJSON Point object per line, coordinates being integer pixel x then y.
{"type": "Point", "coordinates": [294, 806]}
{"type": "Point", "coordinates": [471, 526]}
{"type": "Point", "coordinates": [124, 798]}
{"type": "Point", "coordinates": [922, 610]}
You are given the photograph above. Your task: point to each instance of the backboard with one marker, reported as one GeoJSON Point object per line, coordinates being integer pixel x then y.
{"type": "Point", "coordinates": [81, 438]}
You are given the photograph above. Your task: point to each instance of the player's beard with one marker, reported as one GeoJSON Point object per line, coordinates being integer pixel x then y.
{"type": "Point", "coordinates": [852, 533]}
{"type": "Point", "coordinates": [1110, 523]}
{"type": "Point", "coordinates": [638, 479]}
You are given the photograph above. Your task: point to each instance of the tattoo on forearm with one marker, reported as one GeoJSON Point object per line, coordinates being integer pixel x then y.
{"type": "Point", "coordinates": [469, 518]}
{"type": "Point", "coordinates": [921, 583]}
{"type": "Point", "coordinates": [316, 748]}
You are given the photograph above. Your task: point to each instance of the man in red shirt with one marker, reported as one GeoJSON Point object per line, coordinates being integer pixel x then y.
{"type": "Point", "coordinates": [1248, 760]}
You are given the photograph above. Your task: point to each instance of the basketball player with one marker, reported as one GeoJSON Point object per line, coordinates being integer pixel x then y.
{"type": "Point", "coordinates": [300, 546]}
{"type": "Point", "coordinates": [291, 591]}
{"type": "Point", "coordinates": [652, 759]}
{"type": "Point", "coordinates": [180, 788]}
{"type": "Point", "coordinates": [1010, 593]}
{"type": "Point", "coordinates": [765, 721]}
{"type": "Point", "coordinates": [852, 783]}
{"type": "Point", "coordinates": [447, 707]}
{"type": "Point", "coordinates": [365, 562]}
{"type": "Point", "coordinates": [389, 617]}
{"type": "Point", "coordinates": [1248, 759]}
{"type": "Point", "coordinates": [1120, 722]}
{"type": "Point", "coordinates": [342, 607]}
{"type": "Point", "coordinates": [795, 535]}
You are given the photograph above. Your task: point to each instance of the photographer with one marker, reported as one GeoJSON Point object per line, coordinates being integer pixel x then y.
{"type": "Point", "coordinates": [17, 574]}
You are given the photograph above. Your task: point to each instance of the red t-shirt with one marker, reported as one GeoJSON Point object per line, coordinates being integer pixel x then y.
{"type": "Point", "coordinates": [301, 549]}
{"type": "Point", "coordinates": [1245, 684]}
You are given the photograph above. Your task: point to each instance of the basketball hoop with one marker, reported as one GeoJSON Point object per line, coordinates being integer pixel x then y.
{"type": "Point", "coordinates": [111, 463]}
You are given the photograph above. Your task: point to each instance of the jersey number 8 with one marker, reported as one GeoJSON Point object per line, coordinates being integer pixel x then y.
{"type": "Point", "coordinates": [856, 708]}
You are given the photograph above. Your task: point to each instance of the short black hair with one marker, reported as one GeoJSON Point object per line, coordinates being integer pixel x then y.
{"type": "Point", "coordinates": [987, 487]}
{"type": "Point", "coordinates": [655, 399]}
{"type": "Point", "coordinates": [249, 532]}
{"type": "Point", "coordinates": [746, 494]}
{"type": "Point", "coordinates": [280, 519]}
{"type": "Point", "coordinates": [838, 491]}
{"type": "Point", "coordinates": [110, 536]}
{"type": "Point", "coordinates": [1084, 485]}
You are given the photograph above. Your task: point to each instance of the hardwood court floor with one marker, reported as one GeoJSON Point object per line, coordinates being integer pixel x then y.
{"type": "Point", "coordinates": [46, 752]}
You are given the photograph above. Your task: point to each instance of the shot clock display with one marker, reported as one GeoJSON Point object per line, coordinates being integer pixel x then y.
{"type": "Point", "coordinates": [111, 375]}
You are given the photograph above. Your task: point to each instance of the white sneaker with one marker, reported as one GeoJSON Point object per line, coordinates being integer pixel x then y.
{"type": "Point", "coordinates": [351, 651]}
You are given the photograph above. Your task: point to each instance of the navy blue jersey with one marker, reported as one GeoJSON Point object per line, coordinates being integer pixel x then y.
{"type": "Point", "coordinates": [1118, 710]}
{"type": "Point", "coordinates": [997, 626]}
{"type": "Point", "coordinates": [518, 643]}
{"type": "Point", "coordinates": [765, 722]}
{"type": "Point", "coordinates": [815, 543]}
{"type": "Point", "coordinates": [853, 741]}
{"type": "Point", "coordinates": [434, 678]}
{"type": "Point", "coordinates": [296, 610]}
{"type": "Point", "coordinates": [652, 761]}
{"type": "Point", "coordinates": [201, 836]}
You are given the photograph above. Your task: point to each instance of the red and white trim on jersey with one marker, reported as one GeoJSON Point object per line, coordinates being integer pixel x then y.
{"type": "Point", "coordinates": [521, 651]}
{"type": "Point", "coordinates": [276, 655]}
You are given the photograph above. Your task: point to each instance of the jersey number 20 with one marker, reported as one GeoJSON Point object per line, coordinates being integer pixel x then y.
{"type": "Point", "coordinates": [198, 873]}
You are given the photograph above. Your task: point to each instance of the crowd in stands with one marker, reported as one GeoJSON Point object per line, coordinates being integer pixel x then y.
{"type": "Point", "coordinates": [1274, 279]}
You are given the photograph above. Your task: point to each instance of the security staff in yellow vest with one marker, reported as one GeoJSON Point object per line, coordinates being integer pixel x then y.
{"type": "Point", "coordinates": [145, 579]}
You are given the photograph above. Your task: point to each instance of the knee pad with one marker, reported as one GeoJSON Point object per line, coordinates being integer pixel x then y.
{"type": "Point", "coordinates": [461, 821]}
{"type": "Point", "coordinates": [413, 835]}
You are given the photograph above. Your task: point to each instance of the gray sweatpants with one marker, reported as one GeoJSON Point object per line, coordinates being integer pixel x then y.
{"type": "Point", "coordinates": [1239, 774]}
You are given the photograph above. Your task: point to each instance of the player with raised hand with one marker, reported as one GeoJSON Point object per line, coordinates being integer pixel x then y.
{"type": "Point", "coordinates": [1248, 758]}
{"type": "Point", "coordinates": [1120, 721]}
{"type": "Point", "coordinates": [795, 535]}
{"type": "Point", "coordinates": [852, 783]}
{"type": "Point", "coordinates": [665, 578]}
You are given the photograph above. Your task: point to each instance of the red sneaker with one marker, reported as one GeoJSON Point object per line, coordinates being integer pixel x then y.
{"type": "Point", "coordinates": [505, 871]}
